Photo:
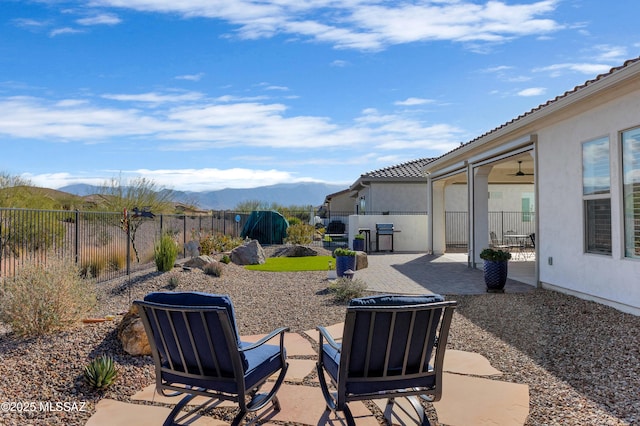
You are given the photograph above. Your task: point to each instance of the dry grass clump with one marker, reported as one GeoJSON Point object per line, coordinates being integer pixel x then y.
{"type": "Point", "coordinates": [213, 269]}
{"type": "Point", "coordinates": [45, 297]}
{"type": "Point", "coordinates": [345, 289]}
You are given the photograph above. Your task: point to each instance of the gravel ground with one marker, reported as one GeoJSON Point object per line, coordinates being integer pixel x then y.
{"type": "Point", "coordinates": [581, 360]}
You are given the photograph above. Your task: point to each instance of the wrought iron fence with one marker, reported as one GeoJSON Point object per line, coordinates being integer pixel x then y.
{"type": "Point", "coordinates": [104, 244]}
{"type": "Point", "coordinates": [501, 223]}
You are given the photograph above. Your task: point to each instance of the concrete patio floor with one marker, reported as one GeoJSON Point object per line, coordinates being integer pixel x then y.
{"type": "Point", "coordinates": [473, 394]}
{"type": "Point", "coordinates": [419, 273]}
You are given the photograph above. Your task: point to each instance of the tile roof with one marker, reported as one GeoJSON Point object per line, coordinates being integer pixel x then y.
{"type": "Point", "coordinates": [576, 89]}
{"type": "Point", "coordinates": [410, 169]}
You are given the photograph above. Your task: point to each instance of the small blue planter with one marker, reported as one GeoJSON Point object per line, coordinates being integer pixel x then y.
{"type": "Point", "coordinates": [344, 263]}
{"type": "Point", "coordinates": [495, 275]}
{"type": "Point", "coordinates": [358, 244]}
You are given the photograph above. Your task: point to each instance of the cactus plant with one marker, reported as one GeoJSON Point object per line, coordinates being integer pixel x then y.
{"type": "Point", "coordinates": [101, 372]}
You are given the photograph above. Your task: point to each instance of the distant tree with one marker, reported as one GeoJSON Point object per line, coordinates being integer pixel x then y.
{"type": "Point", "coordinates": [9, 197]}
{"type": "Point", "coordinates": [140, 194]}
{"type": "Point", "coordinates": [22, 231]}
{"type": "Point", "coordinates": [251, 205]}
{"type": "Point", "coordinates": [8, 181]}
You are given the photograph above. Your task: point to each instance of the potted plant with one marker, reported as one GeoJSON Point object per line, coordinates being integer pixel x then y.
{"type": "Point", "coordinates": [495, 268]}
{"type": "Point", "coordinates": [345, 260]}
{"type": "Point", "coordinates": [358, 242]}
{"type": "Point", "coordinates": [326, 241]}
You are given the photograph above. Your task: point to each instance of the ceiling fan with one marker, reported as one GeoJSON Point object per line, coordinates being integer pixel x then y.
{"type": "Point", "coordinates": [520, 172]}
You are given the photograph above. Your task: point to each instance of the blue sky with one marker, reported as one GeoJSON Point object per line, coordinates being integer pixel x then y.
{"type": "Point", "coordinates": [211, 94]}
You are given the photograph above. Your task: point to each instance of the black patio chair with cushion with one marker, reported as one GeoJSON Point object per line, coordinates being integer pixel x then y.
{"type": "Point", "coordinates": [197, 351]}
{"type": "Point", "coordinates": [387, 351]}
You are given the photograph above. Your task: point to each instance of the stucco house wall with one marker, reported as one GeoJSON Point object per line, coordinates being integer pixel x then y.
{"type": "Point", "coordinates": [504, 197]}
{"type": "Point", "coordinates": [552, 136]}
{"type": "Point", "coordinates": [564, 262]}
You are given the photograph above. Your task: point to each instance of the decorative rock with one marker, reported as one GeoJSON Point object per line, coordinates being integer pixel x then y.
{"type": "Point", "coordinates": [295, 251]}
{"type": "Point", "coordinates": [199, 262]}
{"type": "Point", "coordinates": [250, 253]}
{"type": "Point", "coordinates": [361, 260]}
{"type": "Point", "coordinates": [132, 335]}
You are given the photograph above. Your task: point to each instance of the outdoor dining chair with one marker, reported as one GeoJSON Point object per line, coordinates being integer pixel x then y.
{"type": "Point", "coordinates": [197, 351]}
{"type": "Point", "coordinates": [387, 351]}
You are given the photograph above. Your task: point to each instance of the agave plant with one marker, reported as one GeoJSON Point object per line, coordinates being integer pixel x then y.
{"type": "Point", "coordinates": [101, 372]}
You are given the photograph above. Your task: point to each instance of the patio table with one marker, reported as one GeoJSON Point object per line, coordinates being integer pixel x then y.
{"type": "Point", "coordinates": [519, 242]}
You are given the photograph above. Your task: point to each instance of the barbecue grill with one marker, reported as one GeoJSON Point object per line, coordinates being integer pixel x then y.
{"type": "Point", "coordinates": [384, 236]}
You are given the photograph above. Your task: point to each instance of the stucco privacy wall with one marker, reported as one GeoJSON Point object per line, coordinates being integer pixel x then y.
{"type": "Point", "coordinates": [560, 206]}
{"type": "Point", "coordinates": [413, 230]}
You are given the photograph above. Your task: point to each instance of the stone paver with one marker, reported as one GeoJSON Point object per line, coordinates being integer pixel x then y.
{"type": "Point", "coordinates": [485, 401]}
{"type": "Point", "coordinates": [478, 401]}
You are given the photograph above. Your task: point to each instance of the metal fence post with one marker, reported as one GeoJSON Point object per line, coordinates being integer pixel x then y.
{"type": "Point", "coordinates": [77, 237]}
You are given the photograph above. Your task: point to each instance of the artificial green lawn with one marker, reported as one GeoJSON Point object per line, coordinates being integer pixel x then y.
{"type": "Point", "coordinates": [291, 264]}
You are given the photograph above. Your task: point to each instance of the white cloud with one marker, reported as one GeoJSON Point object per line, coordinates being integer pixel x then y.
{"type": "Point", "coordinates": [102, 19]}
{"type": "Point", "coordinates": [413, 101]}
{"type": "Point", "coordinates": [65, 30]}
{"type": "Point", "coordinates": [532, 91]}
{"type": "Point", "coordinates": [608, 53]}
{"type": "Point", "coordinates": [202, 124]}
{"type": "Point", "coordinates": [30, 23]}
{"type": "Point", "coordinates": [366, 24]}
{"type": "Point", "coordinates": [339, 63]}
{"type": "Point", "coordinates": [557, 70]}
{"type": "Point", "coordinates": [498, 69]}
{"type": "Point", "coordinates": [155, 97]}
{"type": "Point", "coordinates": [212, 178]}
{"type": "Point", "coordinates": [190, 77]}
{"type": "Point", "coordinates": [205, 179]}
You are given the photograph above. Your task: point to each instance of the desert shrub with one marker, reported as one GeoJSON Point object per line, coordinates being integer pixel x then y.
{"type": "Point", "coordinates": [173, 280]}
{"type": "Point", "coordinates": [116, 261]}
{"type": "Point", "coordinates": [43, 298]}
{"type": "Point", "coordinates": [225, 259]}
{"type": "Point", "coordinates": [101, 372]}
{"type": "Point", "coordinates": [344, 289]}
{"type": "Point", "coordinates": [165, 253]}
{"type": "Point", "coordinates": [25, 232]}
{"type": "Point", "coordinates": [92, 268]}
{"type": "Point", "coordinates": [218, 243]}
{"type": "Point", "coordinates": [213, 269]}
{"type": "Point", "coordinates": [300, 234]}
{"type": "Point", "coordinates": [294, 220]}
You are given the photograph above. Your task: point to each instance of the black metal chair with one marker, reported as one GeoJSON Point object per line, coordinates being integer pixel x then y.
{"type": "Point", "coordinates": [197, 351]}
{"type": "Point", "coordinates": [387, 351]}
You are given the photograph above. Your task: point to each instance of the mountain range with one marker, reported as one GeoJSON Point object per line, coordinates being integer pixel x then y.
{"type": "Point", "coordinates": [286, 194]}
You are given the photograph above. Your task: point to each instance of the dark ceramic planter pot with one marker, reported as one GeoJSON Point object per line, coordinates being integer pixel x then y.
{"type": "Point", "coordinates": [358, 244]}
{"type": "Point", "coordinates": [495, 275]}
{"type": "Point", "coordinates": [344, 263]}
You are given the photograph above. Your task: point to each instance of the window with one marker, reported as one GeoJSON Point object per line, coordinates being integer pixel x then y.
{"type": "Point", "coordinates": [596, 193]}
{"type": "Point", "coordinates": [631, 191]}
{"type": "Point", "coordinates": [527, 206]}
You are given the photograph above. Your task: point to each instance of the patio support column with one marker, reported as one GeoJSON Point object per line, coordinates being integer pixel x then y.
{"type": "Point", "coordinates": [438, 237]}
{"type": "Point", "coordinates": [480, 212]}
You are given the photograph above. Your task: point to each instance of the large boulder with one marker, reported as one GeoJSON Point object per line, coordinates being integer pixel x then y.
{"type": "Point", "coordinates": [250, 253]}
{"type": "Point", "coordinates": [199, 262]}
{"type": "Point", "coordinates": [132, 335]}
{"type": "Point", "coordinates": [295, 251]}
{"type": "Point", "coordinates": [361, 260]}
